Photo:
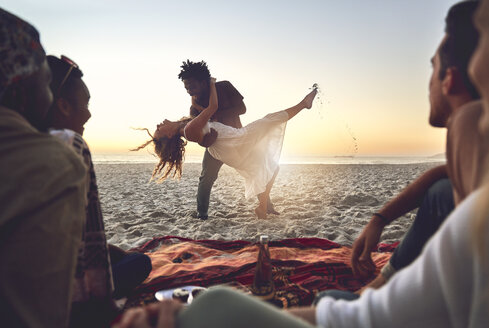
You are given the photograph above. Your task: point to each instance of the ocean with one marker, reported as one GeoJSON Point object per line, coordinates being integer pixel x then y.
{"type": "Point", "coordinates": [145, 157]}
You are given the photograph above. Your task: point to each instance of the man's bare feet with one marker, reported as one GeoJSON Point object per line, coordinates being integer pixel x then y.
{"type": "Point", "coordinates": [271, 208]}
{"type": "Point", "coordinates": [378, 282]}
{"type": "Point", "coordinates": [307, 101]}
{"type": "Point", "coordinates": [272, 211]}
{"type": "Point", "coordinates": [260, 213]}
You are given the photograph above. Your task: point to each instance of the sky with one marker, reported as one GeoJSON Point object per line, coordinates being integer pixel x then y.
{"type": "Point", "coordinates": [371, 59]}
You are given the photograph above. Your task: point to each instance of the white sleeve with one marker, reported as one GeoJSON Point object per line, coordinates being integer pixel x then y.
{"type": "Point", "coordinates": [436, 290]}
{"type": "Point", "coordinates": [64, 135]}
{"type": "Point", "coordinates": [206, 129]}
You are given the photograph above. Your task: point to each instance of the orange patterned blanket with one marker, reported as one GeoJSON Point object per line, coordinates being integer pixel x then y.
{"type": "Point", "coordinates": [302, 266]}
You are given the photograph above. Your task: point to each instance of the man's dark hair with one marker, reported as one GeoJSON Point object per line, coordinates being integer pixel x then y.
{"type": "Point", "coordinates": [59, 69]}
{"type": "Point", "coordinates": [198, 71]}
{"type": "Point", "coordinates": [461, 41]}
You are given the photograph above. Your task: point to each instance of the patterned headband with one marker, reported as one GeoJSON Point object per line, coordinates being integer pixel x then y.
{"type": "Point", "coordinates": [21, 52]}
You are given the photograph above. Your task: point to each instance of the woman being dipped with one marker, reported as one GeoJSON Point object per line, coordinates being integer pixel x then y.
{"type": "Point", "coordinates": [253, 150]}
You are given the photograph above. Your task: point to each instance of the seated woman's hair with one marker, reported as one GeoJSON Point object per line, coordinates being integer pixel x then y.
{"type": "Point", "coordinates": [64, 73]}
{"type": "Point", "coordinates": [170, 151]}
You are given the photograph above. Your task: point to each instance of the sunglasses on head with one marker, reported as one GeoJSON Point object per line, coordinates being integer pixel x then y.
{"type": "Point", "coordinates": [70, 69]}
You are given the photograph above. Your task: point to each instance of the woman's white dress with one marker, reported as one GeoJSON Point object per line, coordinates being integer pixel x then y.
{"type": "Point", "coordinates": [253, 150]}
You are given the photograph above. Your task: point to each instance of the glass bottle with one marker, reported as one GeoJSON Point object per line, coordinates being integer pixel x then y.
{"type": "Point", "coordinates": [263, 286]}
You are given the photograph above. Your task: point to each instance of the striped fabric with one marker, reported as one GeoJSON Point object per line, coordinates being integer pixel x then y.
{"type": "Point", "coordinates": [93, 278]}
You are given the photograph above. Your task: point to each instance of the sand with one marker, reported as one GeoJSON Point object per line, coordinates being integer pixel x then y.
{"type": "Point", "coordinates": [315, 200]}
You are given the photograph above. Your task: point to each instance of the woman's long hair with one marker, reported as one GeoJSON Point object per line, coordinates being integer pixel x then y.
{"type": "Point", "coordinates": [170, 151]}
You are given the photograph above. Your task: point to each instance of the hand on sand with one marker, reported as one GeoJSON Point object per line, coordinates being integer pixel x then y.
{"type": "Point", "coordinates": [307, 101]}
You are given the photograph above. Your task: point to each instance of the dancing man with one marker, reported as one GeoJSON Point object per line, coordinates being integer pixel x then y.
{"type": "Point", "coordinates": [253, 150]}
{"type": "Point", "coordinates": [196, 77]}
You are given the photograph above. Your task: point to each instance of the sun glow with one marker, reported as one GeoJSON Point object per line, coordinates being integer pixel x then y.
{"type": "Point", "coordinates": [371, 61]}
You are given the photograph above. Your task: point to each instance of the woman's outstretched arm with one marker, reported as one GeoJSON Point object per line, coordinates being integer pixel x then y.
{"type": "Point", "coordinates": [193, 130]}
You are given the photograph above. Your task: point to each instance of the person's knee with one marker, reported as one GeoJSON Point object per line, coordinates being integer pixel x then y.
{"type": "Point", "coordinates": [216, 295]}
{"type": "Point", "coordinates": [143, 264]}
{"type": "Point", "coordinates": [216, 307]}
{"type": "Point", "coordinates": [440, 197]}
{"type": "Point", "coordinates": [210, 169]}
{"type": "Point", "coordinates": [135, 267]}
{"type": "Point", "coordinates": [441, 189]}
{"type": "Point", "coordinates": [208, 177]}
{"type": "Point", "coordinates": [218, 299]}
{"type": "Point", "coordinates": [129, 272]}
{"type": "Point", "coordinates": [146, 265]}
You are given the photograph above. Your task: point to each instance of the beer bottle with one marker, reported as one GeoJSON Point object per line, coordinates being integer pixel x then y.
{"type": "Point", "coordinates": [263, 286]}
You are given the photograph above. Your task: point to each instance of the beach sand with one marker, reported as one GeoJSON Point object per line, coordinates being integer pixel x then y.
{"type": "Point", "coordinates": [315, 200]}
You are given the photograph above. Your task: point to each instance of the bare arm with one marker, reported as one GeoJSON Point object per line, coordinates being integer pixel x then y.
{"type": "Point", "coordinates": [411, 197]}
{"type": "Point", "coordinates": [407, 200]}
{"type": "Point", "coordinates": [194, 128]}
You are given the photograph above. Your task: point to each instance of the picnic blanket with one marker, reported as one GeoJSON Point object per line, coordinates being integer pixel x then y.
{"type": "Point", "coordinates": [301, 266]}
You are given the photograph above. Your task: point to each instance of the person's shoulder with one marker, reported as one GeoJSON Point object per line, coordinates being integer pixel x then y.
{"type": "Point", "coordinates": [38, 161]}
{"type": "Point", "coordinates": [466, 117]}
{"type": "Point", "coordinates": [58, 155]}
{"type": "Point", "coordinates": [41, 151]}
{"type": "Point", "coordinates": [25, 141]}
{"type": "Point", "coordinates": [224, 85]}
{"type": "Point", "coordinates": [471, 109]}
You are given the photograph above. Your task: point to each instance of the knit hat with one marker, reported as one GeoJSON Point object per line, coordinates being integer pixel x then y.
{"type": "Point", "coordinates": [21, 53]}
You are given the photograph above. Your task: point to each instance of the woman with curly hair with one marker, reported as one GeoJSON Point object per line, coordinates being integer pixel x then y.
{"type": "Point", "coordinates": [171, 152]}
{"type": "Point", "coordinates": [253, 150]}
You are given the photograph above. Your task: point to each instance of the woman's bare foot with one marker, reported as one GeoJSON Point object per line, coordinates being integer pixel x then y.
{"type": "Point", "coordinates": [307, 101]}
{"type": "Point", "coordinates": [260, 213]}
